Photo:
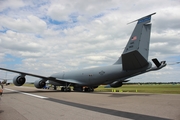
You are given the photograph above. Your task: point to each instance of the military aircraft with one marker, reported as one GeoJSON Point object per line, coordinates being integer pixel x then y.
{"type": "Point", "coordinates": [132, 62]}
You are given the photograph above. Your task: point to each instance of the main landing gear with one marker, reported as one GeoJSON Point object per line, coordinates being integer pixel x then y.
{"type": "Point", "coordinates": [88, 89]}
{"type": "Point", "coordinates": [83, 89]}
{"type": "Point", "coordinates": [65, 89]}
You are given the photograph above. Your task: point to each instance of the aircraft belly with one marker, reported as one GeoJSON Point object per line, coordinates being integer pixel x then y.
{"type": "Point", "coordinates": [58, 83]}
{"type": "Point", "coordinates": [81, 76]}
{"type": "Point", "coordinates": [94, 76]}
{"type": "Point", "coordinates": [104, 74]}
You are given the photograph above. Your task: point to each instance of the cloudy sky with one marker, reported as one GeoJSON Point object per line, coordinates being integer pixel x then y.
{"type": "Point", "coordinates": [48, 36]}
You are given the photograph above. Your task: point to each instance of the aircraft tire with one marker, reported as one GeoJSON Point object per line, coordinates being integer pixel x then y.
{"type": "Point", "coordinates": [55, 88]}
{"type": "Point", "coordinates": [68, 89]}
{"type": "Point", "coordinates": [88, 89]}
{"type": "Point", "coordinates": [78, 89]}
{"type": "Point", "coordinates": [62, 89]}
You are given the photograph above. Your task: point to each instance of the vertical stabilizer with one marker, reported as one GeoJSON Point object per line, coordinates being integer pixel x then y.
{"type": "Point", "coordinates": [135, 54]}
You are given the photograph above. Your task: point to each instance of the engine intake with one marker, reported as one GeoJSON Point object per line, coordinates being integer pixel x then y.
{"type": "Point", "coordinates": [40, 83]}
{"type": "Point", "coordinates": [19, 80]}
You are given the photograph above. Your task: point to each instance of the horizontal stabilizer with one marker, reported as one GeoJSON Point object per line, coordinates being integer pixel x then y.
{"type": "Point", "coordinates": [159, 65]}
{"type": "Point", "coordinates": [156, 62]}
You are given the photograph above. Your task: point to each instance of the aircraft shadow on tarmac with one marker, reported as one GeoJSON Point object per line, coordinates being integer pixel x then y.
{"type": "Point", "coordinates": [122, 94]}
{"type": "Point", "coordinates": [1, 111]}
{"type": "Point", "coordinates": [108, 111]}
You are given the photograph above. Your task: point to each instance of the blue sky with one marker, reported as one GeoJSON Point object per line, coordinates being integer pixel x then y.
{"type": "Point", "coordinates": [47, 36]}
{"type": "Point", "coordinates": [11, 60]}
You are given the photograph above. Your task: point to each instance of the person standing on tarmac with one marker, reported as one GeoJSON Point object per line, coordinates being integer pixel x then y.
{"type": "Point", "coordinates": [1, 88]}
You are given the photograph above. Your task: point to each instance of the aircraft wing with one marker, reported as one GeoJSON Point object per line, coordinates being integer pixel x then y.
{"type": "Point", "coordinates": [24, 73]}
{"type": "Point", "coordinates": [43, 77]}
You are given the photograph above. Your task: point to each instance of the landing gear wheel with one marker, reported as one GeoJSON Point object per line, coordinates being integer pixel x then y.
{"type": "Point", "coordinates": [55, 88]}
{"type": "Point", "coordinates": [66, 89]}
{"type": "Point", "coordinates": [92, 90]}
{"type": "Point", "coordinates": [78, 89]}
{"type": "Point", "coordinates": [88, 89]}
{"type": "Point", "coordinates": [62, 89]}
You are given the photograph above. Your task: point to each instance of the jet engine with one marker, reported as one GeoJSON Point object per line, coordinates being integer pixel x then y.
{"type": "Point", "coordinates": [116, 84]}
{"type": "Point", "coordinates": [19, 80]}
{"type": "Point", "coordinates": [40, 83]}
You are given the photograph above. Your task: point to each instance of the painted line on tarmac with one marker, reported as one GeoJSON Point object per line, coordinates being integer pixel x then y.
{"type": "Point", "coordinates": [33, 95]}
{"type": "Point", "coordinates": [24, 87]}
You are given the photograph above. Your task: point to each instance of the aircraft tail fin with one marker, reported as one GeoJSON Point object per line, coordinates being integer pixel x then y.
{"type": "Point", "coordinates": [135, 54]}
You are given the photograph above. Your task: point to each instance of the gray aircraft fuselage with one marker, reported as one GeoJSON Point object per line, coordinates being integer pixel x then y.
{"type": "Point", "coordinates": [99, 75]}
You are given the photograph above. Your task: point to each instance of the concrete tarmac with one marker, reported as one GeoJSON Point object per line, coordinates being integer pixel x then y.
{"type": "Point", "coordinates": [27, 103]}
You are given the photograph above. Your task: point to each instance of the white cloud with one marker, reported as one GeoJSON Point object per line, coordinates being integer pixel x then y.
{"type": "Point", "coordinates": [31, 24]}
{"type": "Point", "coordinates": [58, 12]}
{"type": "Point", "coordinates": [7, 4]}
{"type": "Point", "coordinates": [16, 42]}
{"type": "Point", "coordinates": [52, 36]}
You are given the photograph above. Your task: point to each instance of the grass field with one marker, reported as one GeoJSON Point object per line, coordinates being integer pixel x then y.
{"type": "Point", "coordinates": [145, 88]}
{"type": "Point", "coordinates": [163, 88]}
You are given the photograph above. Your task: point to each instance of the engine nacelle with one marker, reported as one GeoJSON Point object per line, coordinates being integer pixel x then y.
{"type": "Point", "coordinates": [19, 80]}
{"type": "Point", "coordinates": [117, 84]}
{"type": "Point", "coordinates": [40, 83]}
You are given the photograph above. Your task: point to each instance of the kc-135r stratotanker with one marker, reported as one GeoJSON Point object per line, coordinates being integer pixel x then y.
{"type": "Point", "coordinates": [132, 62]}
